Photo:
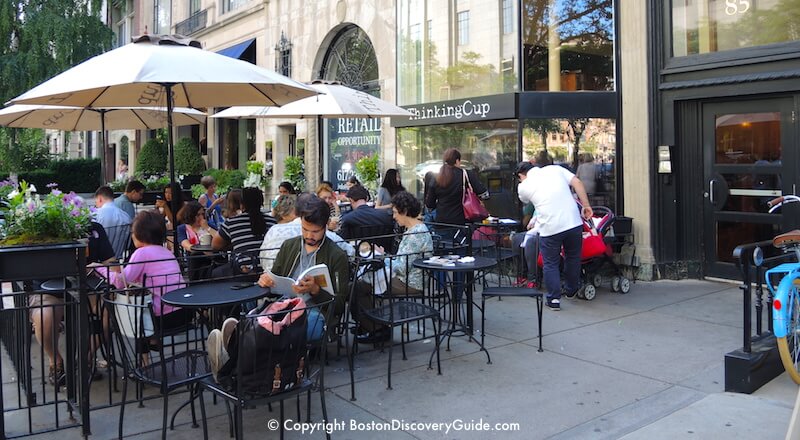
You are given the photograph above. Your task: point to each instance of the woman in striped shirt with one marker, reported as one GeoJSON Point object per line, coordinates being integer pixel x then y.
{"type": "Point", "coordinates": [244, 233]}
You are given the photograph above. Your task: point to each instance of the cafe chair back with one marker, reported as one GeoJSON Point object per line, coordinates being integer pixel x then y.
{"type": "Point", "coordinates": [276, 352]}
{"type": "Point", "coordinates": [141, 347]}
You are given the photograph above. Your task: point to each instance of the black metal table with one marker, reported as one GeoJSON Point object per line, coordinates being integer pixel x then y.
{"type": "Point", "coordinates": [213, 295]}
{"type": "Point", "coordinates": [202, 248]}
{"type": "Point", "coordinates": [468, 269]}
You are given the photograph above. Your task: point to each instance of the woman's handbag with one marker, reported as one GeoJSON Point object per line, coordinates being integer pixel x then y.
{"type": "Point", "coordinates": [473, 208]}
{"type": "Point", "coordinates": [134, 316]}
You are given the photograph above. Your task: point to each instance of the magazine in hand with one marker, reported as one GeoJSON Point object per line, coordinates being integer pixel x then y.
{"type": "Point", "coordinates": [283, 285]}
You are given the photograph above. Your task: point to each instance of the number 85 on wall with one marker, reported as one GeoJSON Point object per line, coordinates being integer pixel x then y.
{"type": "Point", "coordinates": [733, 7]}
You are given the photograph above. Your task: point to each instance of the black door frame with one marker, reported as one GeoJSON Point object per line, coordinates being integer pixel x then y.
{"type": "Point", "coordinates": [790, 158]}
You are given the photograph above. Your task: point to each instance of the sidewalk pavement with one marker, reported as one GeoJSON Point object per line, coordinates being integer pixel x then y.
{"type": "Point", "coordinates": [646, 365]}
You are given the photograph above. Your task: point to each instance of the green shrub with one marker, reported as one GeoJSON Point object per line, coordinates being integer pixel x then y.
{"type": "Point", "coordinates": [154, 183]}
{"type": "Point", "coordinates": [198, 190]}
{"type": "Point", "coordinates": [79, 175]}
{"type": "Point", "coordinates": [152, 158]}
{"type": "Point", "coordinates": [188, 160]}
{"type": "Point", "coordinates": [226, 179]}
{"type": "Point", "coordinates": [294, 172]}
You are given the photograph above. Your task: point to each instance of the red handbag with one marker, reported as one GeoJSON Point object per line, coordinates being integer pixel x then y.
{"type": "Point", "coordinates": [474, 210]}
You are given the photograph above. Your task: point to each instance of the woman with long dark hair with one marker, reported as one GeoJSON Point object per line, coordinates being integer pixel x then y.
{"type": "Point", "coordinates": [391, 185]}
{"type": "Point", "coordinates": [244, 233]}
{"type": "Point", "coordinates": [446, 194]}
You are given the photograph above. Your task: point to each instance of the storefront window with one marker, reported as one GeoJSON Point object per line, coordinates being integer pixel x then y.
{"type": "Point", "coordinates": [704, 26]}
{"type": "Point", "coordinates": [585, 146]}
{"type": "Point", "coordinates": [447, 53]}
{"type": "Point", "coordinates": [568, 45]}
{"type": "Point", "coordinates": [490, 148]}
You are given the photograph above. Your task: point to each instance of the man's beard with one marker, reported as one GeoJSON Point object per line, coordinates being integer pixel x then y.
{"type": "Point", "coordinates": [311, 242]}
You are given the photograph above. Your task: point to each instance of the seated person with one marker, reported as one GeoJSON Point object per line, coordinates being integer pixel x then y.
{"type": "Point", "coordinates": [287, 212]}
{"type": "Point", "coordinates": [134, 191]}
{"type": "Point", "coordinates": [211, 202]}
{"type": "Point", "coordinates": [311, 248]}
{"type": "Point", "coordinates": [151, 258]}
{"type": "Point", "coordinates": [365, 221]}
{"type": "Point", "coordinates": [325, 192]}
{"type": "Point", "coordinates": [405, 279]}
{"type": "Point", "coordinates": [243, 234]}
{"type": "Point", "coordinates": [193, 226]}
{"type": "Point", "coordinates": [47, 309]}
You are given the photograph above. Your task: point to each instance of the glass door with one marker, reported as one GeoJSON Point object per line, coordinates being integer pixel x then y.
{"type": "Point", "coordinates": [750, 158]}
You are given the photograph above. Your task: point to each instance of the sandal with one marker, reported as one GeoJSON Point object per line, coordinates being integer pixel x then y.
{"type": "Point", "coordinates": [56, 377]}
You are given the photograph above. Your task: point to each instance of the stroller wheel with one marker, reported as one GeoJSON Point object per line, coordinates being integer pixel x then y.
{"type": "Point", "coordinates": [597, 280]}
{"type": "Point", "coordinates": [615, 283]}
{"type": "Point", "coordinates": [624, 285]}
{"type": "Point", "coordinates": [579, 293]}
{"type": "Point", "coordinates": [589, 292]}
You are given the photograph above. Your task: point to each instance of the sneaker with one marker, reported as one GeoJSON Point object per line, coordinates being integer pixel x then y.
{"type": "Point", "coordinates": [521, 282]}
{"type": "Point", "coordinates": [554, 304]}
{"type": "Point", "coordinates": [215, 350]}
{"type": "Point", "coordinates": [572, 294]}
{"type": "Point", "coordinates": [228, 326]}
{"type": "Point", "coordinates": [531, 285]}
{"type": "Point", "coordinates": [56, 376]}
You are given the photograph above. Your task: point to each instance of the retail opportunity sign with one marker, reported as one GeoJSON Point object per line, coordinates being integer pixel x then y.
{"type": "Point", "coordinates": [350, 139]}
{"type": "Point", "coordinates": [481, 108]}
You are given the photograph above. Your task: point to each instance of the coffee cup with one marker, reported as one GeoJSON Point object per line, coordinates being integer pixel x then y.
{"type": "Point", "coordinates": [205, 240]}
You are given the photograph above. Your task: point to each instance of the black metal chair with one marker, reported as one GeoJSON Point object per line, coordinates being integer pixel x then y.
{"type": "Point", "coordinates": [182, 363]}
{"type": "Point", "coordinates": [500, 292]}
{"type": "Point", "coordinates": [398, 308]}
{"type": "Point", "coordinates": [269, 369]}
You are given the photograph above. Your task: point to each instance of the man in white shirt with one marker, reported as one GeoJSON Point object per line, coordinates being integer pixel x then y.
{"type": "Point", "coordinates": [114, 220]}
{"type": "Point", "coordinates": [559, 222]}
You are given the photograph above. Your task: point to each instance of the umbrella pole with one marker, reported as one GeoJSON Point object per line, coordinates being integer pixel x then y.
{"type": "Point", "coordinates": [171, 149]}
{"type": "Point", "coordinates": [104, 146]}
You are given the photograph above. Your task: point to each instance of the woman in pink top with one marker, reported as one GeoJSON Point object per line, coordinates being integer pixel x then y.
{"type": "Point", "coordinates": [156, 265]}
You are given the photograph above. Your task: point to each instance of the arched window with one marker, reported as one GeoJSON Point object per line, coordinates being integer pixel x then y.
{"type": "Point", "coordinates": [351, 60]}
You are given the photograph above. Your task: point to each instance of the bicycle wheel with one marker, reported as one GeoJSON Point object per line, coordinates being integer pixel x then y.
{"type": "Point", "coordinates": [786, 323]}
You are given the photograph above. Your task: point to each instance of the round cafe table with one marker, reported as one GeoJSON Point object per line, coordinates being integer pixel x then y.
{"type": "Point", "coordinates": [469, 269]}
{"type": "Point", "coordinates": [213, 295]}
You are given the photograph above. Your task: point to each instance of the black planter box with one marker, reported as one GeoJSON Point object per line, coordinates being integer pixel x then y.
{"type": "Point", "coordinates": [40, 261]}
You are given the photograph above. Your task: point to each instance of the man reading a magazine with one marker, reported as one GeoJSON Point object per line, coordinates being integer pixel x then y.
{"type": "Point", "coordinates": [311, 248]}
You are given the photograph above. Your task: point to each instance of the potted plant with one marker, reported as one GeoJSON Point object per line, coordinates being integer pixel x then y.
{"type": "Point", "coordinates": [42, 236]}
{"type": "Point", "coordinates": [188, 162]}
{"type": "Point", "coordinates": [294, 172]}
{"type": "Point", "coordinates": [368, 173]}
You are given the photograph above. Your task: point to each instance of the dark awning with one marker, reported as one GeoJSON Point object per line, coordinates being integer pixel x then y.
{"type": "Point", "coordinates": [237, 50]}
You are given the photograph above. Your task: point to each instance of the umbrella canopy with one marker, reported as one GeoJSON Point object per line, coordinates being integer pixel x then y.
{"type": "Point", "coordinates": [334, 101]}
{"type": "Point", "coordinates": [90, 119]}
{"type": "Point", "coordinates": [151, 68]}
{"type": "Point", "coordinates": [138, 74]}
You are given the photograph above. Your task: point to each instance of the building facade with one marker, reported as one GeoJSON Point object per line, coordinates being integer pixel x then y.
{"type": "Point", "coordinates": [724, 114]}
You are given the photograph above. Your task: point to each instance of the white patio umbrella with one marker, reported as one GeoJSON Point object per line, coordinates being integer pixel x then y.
{"type": "Point", "coordinates": [151, 68]}
{"type": "Point", "coordinates": [334, 101]}
{"type": "Point", "coordinates": [94, 119]}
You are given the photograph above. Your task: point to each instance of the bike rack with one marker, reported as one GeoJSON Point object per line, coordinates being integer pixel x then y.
{"type": "Point", "coordinates": [758, 361]}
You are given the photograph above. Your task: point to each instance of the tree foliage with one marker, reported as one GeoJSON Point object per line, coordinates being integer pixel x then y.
{"type": "Point", "coordinates": [152, 158]}
{"type": "Point", "coordinates": [188, 160]}
{"type": "Point", "coordinates": [42, 38]}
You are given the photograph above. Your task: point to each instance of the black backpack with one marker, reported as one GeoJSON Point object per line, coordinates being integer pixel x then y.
{"type": "Point", "coordinates": [267, 361]}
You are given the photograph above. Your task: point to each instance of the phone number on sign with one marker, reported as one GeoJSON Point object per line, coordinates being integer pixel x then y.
{"type": "Point", "coordinates": [391, 425]}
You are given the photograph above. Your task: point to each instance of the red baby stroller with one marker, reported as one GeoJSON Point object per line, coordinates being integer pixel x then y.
{"type": "Point", "coordinates": [597, 252]}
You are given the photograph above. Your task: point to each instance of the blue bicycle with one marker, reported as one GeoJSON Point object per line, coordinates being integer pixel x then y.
{"type": "Point", "coordinates": [786, 297]}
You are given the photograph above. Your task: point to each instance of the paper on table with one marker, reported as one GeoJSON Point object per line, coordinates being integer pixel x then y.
{"type": "Point", "coordinates": [507, 220]}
